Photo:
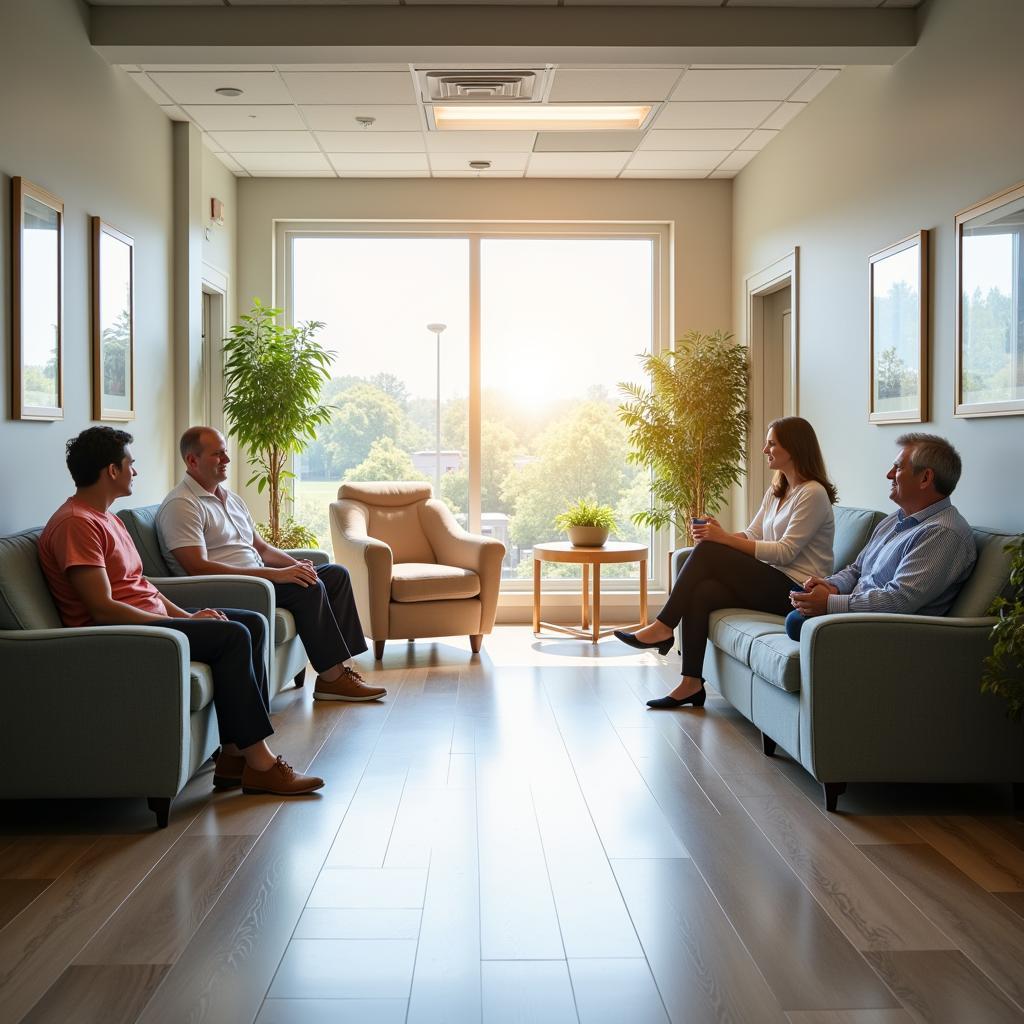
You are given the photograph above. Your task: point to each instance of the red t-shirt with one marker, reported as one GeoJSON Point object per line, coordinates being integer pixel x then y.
{"type": "Point", "coordinates": [79, 535]}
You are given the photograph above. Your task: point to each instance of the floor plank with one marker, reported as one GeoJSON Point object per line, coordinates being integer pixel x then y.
{"type": "Point", "coordinates": [16, 894]}
{"type": "Point", "coordinates": [701, 967]}
{"type": "Point", "coordinates": [85, 994]}
{"type": "Point", "coordinates": [1014, 900]}
{"type": "Point", "coordinates": [992, 861]}
{"type": "Point", "coordinates": [984, 928]}
{"type": "Point", "coordinates": [345, 969]}
{"type": "Point", "coordinates": [332, 1011]}
{"type": "Point", "coordinates": [613, 991]}
{"type": "Point", "coordinates": [538, 991]}
{"type": "Point", "coordinates": [41, 856]}
{"type": "Point", "coordinates": [941, 986]}
{"type": "Point", "coordinates": [849, 1017]}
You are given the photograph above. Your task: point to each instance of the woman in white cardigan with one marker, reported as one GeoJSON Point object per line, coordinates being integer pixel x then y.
{"type": "Point", "coordinates": [789, 540]}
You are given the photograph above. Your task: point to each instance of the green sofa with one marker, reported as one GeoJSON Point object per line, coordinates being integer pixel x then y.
{"type": "Point", "coordinates": [288, 660]}
{"type": "Point", "coordinates": [104, 711]}
{"type": "Point", "coordinates": [867, 697]}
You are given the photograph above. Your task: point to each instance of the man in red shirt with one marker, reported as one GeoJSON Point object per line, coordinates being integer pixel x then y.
{"type": "Point", "coordinates": [95, 576]}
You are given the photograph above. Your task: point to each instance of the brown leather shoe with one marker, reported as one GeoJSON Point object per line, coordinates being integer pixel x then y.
{"type": "Point", "coordinates": [281, 780]}
{"type": "Point", "coordinates": [227, 771]}
{"type": "Point", "coordinates": [348, 686]}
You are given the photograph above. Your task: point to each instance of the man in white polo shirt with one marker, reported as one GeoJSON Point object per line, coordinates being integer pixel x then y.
{"type": "Point", "coordinates": [205, 529]}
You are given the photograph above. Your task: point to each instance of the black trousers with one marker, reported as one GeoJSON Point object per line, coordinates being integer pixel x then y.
{"type": "Point", "coordinates": [234, 652]}
{"type": "Point", "coordinates": [717, 576]}
{"type": "Point", "coordinates": [325, 616]}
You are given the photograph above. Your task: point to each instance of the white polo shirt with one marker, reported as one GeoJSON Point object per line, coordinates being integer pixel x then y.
{"type": "Point", "coordinates": [191, 517]}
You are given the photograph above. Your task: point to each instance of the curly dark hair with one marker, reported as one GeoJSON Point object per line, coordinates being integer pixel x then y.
{"type": "Point", "coordinates": [93, 450]}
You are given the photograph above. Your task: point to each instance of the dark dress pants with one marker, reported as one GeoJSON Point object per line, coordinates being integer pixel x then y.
{"type": "Point", "coordinates": [717, 576]}
{"type": "Point", "coordinates": [325, 616]}
{"type": "Point", "coordinates": [234, 652]}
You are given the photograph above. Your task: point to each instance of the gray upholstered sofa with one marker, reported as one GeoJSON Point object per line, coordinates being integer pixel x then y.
{"type": "Point", "coordinates": [288, 661]}
{"type": "Point", "coordinates": [871, 697]}
{"type": "Point", "coordinates": [103, 711]}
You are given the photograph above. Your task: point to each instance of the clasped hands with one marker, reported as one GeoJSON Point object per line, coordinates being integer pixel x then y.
{"type": "Point", "coordinates": [814, 598]}
{"type": "Point", "coordinates": [303, 573]}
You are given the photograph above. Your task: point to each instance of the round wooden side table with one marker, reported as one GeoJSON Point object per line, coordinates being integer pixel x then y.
{"type": "Point", "coordinates": [609, 554]}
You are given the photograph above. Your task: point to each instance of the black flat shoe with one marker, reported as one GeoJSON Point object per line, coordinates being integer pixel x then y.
{"type": "Point", "coordinates": [668, 703]}
{"type": "Point", "coordinates": [664, 646]}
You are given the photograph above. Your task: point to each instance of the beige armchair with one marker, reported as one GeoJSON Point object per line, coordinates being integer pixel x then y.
{"type": "Point", "coordinates": [415, 572]}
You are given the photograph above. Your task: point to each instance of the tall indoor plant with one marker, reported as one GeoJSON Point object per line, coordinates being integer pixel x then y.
{"type": "Point", "coordinates": [272, 381]}
{"type": "Point", "coordinates": [690, 428]}
{"type": "Point", "coordinates": [1004, 667]}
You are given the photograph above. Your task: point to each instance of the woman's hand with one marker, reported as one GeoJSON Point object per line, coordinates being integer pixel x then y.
{"type": "Point", "coordinates": [710, 529]}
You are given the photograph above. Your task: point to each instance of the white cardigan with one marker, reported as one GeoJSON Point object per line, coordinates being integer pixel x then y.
{"type": "Point", "coordinates": [795, 534]}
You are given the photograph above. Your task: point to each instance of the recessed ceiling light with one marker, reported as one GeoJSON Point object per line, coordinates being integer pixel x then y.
{"type": "Point", "coordinates": [540, 117]}
{"type": "Point", "coordinates": [365, 121]}
{"type": "Point", "coordinates": [479, 165]}
{"type": "Point", "coordinates": [228, 90]}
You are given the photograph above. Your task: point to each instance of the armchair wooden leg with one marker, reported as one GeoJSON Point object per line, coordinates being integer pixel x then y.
{"type": "Point", "coordinates": [161, 807]}
{"type": "Point", "coordinates": [378, 649]}
{"type": "Point", "coordinates": [300, 680]}
{"type": "Point", "coordinates": [767, 745]}
{"type": "Point", "coordinates": [475, 641]}
{"type": "Point", "coordinates": [833, 791]}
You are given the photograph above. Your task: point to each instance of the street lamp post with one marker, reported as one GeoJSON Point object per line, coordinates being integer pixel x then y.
{"type": "Point", "coordinates": [437, 330]}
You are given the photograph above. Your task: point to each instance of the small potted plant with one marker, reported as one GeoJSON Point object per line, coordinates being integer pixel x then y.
{"type": "Point", "coordinates": [587, 523]}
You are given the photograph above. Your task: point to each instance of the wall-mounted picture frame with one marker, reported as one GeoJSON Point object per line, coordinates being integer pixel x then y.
{"type": "Point", "coordinates": [113, 323]}
{"type": "Point", "coordinates": [37, 305]}
{"type": "Point", "coordinates": [898, 296]}
{"type": "Point", "coordinates": [990, 306]}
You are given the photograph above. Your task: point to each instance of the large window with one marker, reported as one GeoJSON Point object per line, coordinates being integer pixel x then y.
{"type": "Point", "coordinates": [538, 332]}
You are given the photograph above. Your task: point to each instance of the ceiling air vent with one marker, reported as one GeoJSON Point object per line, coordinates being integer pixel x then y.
{"type": "Point", "coordinates": [481, 86]}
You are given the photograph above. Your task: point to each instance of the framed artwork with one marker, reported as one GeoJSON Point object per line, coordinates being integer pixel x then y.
{"type": "Point", "coordinates": [990, 306]}
{"type": "Point", "coordinates": [113, 323]}
{"type": "Point", "coordinates": [37, 262]}
{"type": "Point", "coordinates": [898, 277]}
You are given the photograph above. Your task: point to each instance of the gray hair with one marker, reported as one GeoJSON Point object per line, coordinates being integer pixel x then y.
{"type": "Point", "coordinates": [929, 451]}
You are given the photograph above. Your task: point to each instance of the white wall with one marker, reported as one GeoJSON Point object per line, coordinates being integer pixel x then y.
{"type": "Point", "coordinates": [880, 154]}
{"type": "Point", "coordinates": [82, 130]}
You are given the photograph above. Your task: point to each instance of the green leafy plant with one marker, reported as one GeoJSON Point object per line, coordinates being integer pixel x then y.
{"type": "Point", "coordinates": [291, 534]}
{"type": "Point", "coordinates": [273, 376]}
{"type": "Point", "coordinates": [583, 512]}
{"type": "Point", "coordinates": [1004, 667]}
{"type": "Point", "coordinates": [690, 428]}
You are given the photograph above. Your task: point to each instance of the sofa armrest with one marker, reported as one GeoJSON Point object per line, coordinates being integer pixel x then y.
{"type": "Point", "coordinates": [368, 562]}
{"type": "Point", "coordinates": [315, 555]}
{"type": "Point", "coordinates": [95, 711]}
{"type": "Point", "coordinates": [892, 696]}
{"type": "Point", "coordinates": [251, 592]}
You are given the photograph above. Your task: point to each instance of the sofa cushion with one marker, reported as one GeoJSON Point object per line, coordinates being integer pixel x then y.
{"type": "Point", "coordinates": [776, 659]}
{"type": "Point", "coordinates": [854, 527]}
{"type": "Point", "coordinates": [141, 526]}
{"type": "Point", "coordinates": [734, 630]}
{"type": "Point", "coordinates": [284, 626]}
{"type": "Point", "coordinates": [200, 685]}
{"type": "Point", "coordinates": [428, 581]}
{"type": "Point", "coordinates": [990, 577]}
{"type": "Point", "coordinates": [25, 601]}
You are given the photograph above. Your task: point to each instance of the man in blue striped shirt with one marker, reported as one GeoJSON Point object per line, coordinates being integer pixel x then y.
{"type": "Point", "coordinates": [917, 559]}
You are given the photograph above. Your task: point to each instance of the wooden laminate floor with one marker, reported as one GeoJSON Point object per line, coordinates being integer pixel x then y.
{"type": "Point", "coordinates": [515, 837]}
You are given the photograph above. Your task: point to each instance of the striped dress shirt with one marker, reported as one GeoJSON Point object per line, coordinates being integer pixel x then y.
{"type": "Point", "coordinates": [911, 564]}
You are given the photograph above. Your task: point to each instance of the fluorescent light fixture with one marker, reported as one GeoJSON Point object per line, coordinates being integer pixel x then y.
{"type": "Point", "coordinates": [536, 117]}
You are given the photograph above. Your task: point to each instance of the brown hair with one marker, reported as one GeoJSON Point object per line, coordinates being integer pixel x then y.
{"type": "Point", "coordinates": [191, 442]}
{"type": "Point", "coordinates": [797, 436]}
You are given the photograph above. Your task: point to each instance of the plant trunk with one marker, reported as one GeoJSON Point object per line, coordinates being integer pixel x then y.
{"type": "Point", "coordinates": [274, 465]}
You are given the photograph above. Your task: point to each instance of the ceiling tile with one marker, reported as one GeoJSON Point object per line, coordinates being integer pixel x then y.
{"type": "Point", "coordinates": [693, 161]}
{"type": "Point", "coordinates": [219, 118]}
{"type": "Point", "coordinates": [573, 164]}
{"type": "Point", "coordinates": [697, 138]}
{"type": "Point", "coordinates": [758, 139]}
{"type": "Point", "coordinates": [814, 85]}
{"type": "Point", "coordinates": [343, 67]}
{"type": "Point", "coordinates": [714, 115]}
{"type": "Point", "coordinates": [606, 85]}
{"type": "Point", "coordinates": [371, 142]}
{"type": "Point", "coordinates": [737, 161]}
{"type": "Point", "coordinates": [803, 3]}
{"type": "Point", "coordinates": [492, 142]}
{"type": "Point", "coordinates": [383, 174]}
{"type": "Point", "coordinates": [722, 174]}
{"type": "Point", "coordinates": [477, 174]}
{"type": "Point", "coordinates": [783, 115]}
{"type": "Point", "coordinates": [587, 142]}
{"type": "Point", "coordinates": [196, 87]}
{"type": "Point", "coordinates": [211, 143]}
{"type": "Point", "coordinates": [350, 86]}
{"type": "Point", "coordinates": [207, 67]}
{"type": "Point", "coordinates": [266, 142]}
{"type": "Point", "coordinates": [294, 174]}
{"type": "Point", "coordinates": [667, 172]}
{"type": "Point", "coordinates": [153, 91]}
{"type": "Point", "coordinates": [283, 161]}
{"type": "Point", "coordinates": [378, 161]}
{"type": "Point", "coordinates": [342, 118]}
{"type": "Point", "coordinates": [460, 161]}
{"type": "Point", "coordinates": [231, 163]}
{"type": "Point", "coordinates": [764, 84]}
